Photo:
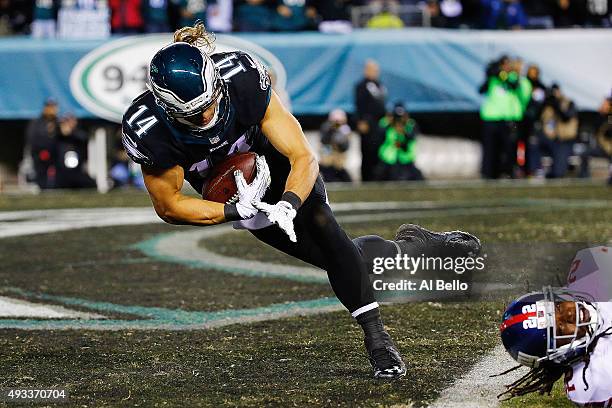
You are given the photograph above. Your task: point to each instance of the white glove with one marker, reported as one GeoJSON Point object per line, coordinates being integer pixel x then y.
{"type": "Point", "coordinates": [281, 214]}
{"type": "Point", "coordinates": [249, 193]}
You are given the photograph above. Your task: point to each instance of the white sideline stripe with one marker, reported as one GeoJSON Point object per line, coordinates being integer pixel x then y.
{"type": "Point", "coordinates": [44, 221]}
{"type": "Point", "coordinates": [477, 389]}
{"type": "Point", "coordinates": [20, 223]}
{"type": "Point", "coordinates": [13, 308]}
{"type": "Point", "coordinates": [364, 309]}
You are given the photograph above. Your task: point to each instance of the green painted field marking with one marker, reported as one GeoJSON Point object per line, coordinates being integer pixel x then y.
{"type": "Point", "coordinates": [182, 248]}
{"type": "Point", "coordinates": [162, 318]}
{"type": "Point", "coordinates": [176, 319]}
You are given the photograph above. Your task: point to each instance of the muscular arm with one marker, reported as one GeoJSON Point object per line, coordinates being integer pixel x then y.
{"type": "Point", "coordinates": [172, 206]}
{"type": "Point", "coordinates": [285, 134]}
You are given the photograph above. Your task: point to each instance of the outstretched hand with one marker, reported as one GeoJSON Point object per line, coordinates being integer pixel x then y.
{"type": "Point", "coordinates": [281, 214]}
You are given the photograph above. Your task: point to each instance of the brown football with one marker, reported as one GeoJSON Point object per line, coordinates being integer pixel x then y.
{"type": "Point", "coordinates": [220, 186]}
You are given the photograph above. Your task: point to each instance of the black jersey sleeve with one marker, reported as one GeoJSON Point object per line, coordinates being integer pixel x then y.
{"type": "Point", "coordinates": [249, 85]}
{"type": "Point", "coordinates": [146, 138]}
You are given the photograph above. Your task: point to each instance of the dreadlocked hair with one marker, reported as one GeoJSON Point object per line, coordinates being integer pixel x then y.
{"type": "Point", "coordinates": [539, 379]}
{"type": "Point", "coordinates": [196, 35]}
{"type": "Point", "coordinates": [587, 354]}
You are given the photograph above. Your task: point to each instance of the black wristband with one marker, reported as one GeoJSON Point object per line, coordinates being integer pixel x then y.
{"type": "Point", "coordinates": [231, 212]}
{"type": "Point", "coordinates": [292, 198]}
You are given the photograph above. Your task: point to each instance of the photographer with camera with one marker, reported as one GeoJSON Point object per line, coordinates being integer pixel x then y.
{"type": "Point", "coordinates": [335, 138]}
{"type": "Point", "coordinates": [71, 155]}
{"type": "Point", "coordinates": [41, 138]}
{"type": "Point", "coordinates": [604, 133]}
{"type": "Point", "coordinates": [533, 111]}
{"type": "Point", "coordinates": [397, 154]}
{"type": "Point", "coordinates": [507, 95]}
{"type": "Point", "coordinates": [601, 144]}
{"type": "Point", "coordinates": [558, 131]}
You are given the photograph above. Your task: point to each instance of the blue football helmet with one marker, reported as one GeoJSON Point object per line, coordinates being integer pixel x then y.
{"type": "Point", "coordinates": [529, 329]}
{"type": "Point", "coordinates": [185, 83]}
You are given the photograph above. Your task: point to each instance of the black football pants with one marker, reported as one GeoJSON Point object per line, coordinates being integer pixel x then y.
{"type": "Point", "coordinates": [323, 243]}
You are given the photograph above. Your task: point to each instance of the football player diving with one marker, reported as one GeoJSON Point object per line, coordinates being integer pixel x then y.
{"type": "Point", "coordinates": [203, 106]}
{"type": "Point", "coordinates": [558, 332]}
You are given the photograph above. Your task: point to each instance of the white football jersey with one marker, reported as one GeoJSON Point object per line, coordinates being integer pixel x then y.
{"type": "Point", "coordinates": [598, 374]}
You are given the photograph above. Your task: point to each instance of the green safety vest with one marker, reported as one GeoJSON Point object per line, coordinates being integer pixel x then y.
{"type": "Point", "coordinates": [397, 148]}
{"type": "Point", "coordinates": [503, 103]}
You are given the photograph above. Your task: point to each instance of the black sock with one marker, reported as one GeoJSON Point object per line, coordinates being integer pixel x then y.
{"type": "Point", "coordinates": [371, 322]}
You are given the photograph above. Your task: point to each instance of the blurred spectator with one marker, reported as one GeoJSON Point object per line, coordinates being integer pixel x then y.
{"type": "Point", "coordinates": [506, 97]}
{"type": "Point", "coordinates": [41, 138]}
{"type": "Point", "coordinates": [156, 16]}
{"type": "Point", "coordinates": [191, 11]}
{"type": "Point", "coordinates": [603, 136]}
{"type": "Point", "coordinates": [539, 13]}
{"type": "Point", "coordinates": [219, 16]}
{"type": "Point", "coordinates": [601, 145]}
{"type": "Point", "coordinates": [135, 16]}
{"type": "Point", "coordinates": [123, 171]}
{"type": "Point", "coordinates": [84, 19]}
{"type": "Point", "coordinates": [5, 18]}
{"type": "Point", "coordinates": [386, 18]}
{"type": "Point", "coordinates": [294, 15]}
{"type": "Point", "coordinates": [45, 17]}
{"type": "Point", "coordinates": [503, 14]}
{"type": "Point", "coordinates": [71, 154]}
{"type": "Point", "coordinates": [559, 121]}
{"type": "Point", "coordinates": [452, 10]}
{"type": "Point", "coordinates": [254, 15]}
{"type": "Point", "coordinates": [445, 13]}
{"type": "Point", "coordinates": [120, 166]}
{"type": "Point", "coordinates": [397, 154]}
{"type": "Point", "coordinates": [569, 13]}
{"type": "Point", "coordinates": [531, 120]}
{"type": "Point", "coordinates": [335, 140]}
{"type": "Point", "coordinates": [126, 16]}
{"type": "Point", "coordinates": [333, 14]}
{"type": "Point", "coordinates": [14, 16]}
{"type": "Point", "coordinates": [370, 98]}
{"type": "Point", "coordinates": [436, 18]}
{"type": "Point", "coordinates": [538, 89]}
{"type": "Point", "coordinates": [471, 16]}
{"type": "Point", "coordinates": [599, 13]}
{"type": "Point", "coordinates": [520, 135]}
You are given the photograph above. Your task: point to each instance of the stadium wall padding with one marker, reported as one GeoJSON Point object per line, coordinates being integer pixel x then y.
{"type": "Point", "coordinates": [431, 70]}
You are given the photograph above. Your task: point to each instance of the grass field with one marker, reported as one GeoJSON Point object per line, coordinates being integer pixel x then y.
{"type": "Point", "coordinates": [315, 360]}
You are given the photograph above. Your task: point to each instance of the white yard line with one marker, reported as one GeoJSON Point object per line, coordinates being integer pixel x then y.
{"type": "Point", "coordinates": [17, 308]}
{"type": "Point", "coordinates": [477, 389]}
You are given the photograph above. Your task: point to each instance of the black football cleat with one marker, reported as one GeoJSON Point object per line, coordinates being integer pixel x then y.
{"type": "Point", "coordinates": [384, 357]}
{"type": "Point", "coordinates": [414, 239]}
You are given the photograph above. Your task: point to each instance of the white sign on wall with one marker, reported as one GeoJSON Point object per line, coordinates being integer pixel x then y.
{"type": "Point", "coordinates": [106, 80]}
